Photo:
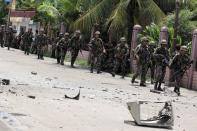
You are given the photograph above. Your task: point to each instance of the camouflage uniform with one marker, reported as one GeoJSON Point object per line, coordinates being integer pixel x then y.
{"type": "Point", "coordinates": [63, 45]}
{"type": "Point", "coordinates": [143, 56]}
{"type": "Point", "coordinates": [97, 49]}
{"type": "Point", "coordinates": [27, 40]}
{"type": "Point", "coordinates": [179, 62]}
{"type": "Point", "coordinates": [75, 47]}
{"type": "Point", "coordinates": [41, 43]}
{"type": "Point", "coordinates": [151, 64]}
{"type": "Point", "coordinates": [58, 49]}
{"type": "Point", "coordinates": [161, 64]}
{"type": "Point", "coordinates": [34, 44]}
{"type": "Point", "coordinates": [9, 37]}
{"type": "Point", "coordinates": [2, 32]}
{"type": "Point", "coordinates": [121, 52]}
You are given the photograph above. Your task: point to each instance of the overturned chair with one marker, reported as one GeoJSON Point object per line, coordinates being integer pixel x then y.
{"type": "Point", "coordinates": [152, 114]}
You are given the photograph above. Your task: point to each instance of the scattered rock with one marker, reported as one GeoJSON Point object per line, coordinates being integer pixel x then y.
{"type": "Point", "coordinates": [194, 105]}
{"type": "Point", "coordinates": [13, 92]}
{"type": "Point", "coordinates": [105, 90]}
{"type": "Point", "coordinates": [74, 98]}
{"type": "Point", "coordinates": [34, 73]}
{"type": "Point", "coordinates": [134, 94]}
{"type": "Point", "coordinates": [178, 117]}
{"type": "Point", "coordinates": [5, 82]}
{"type": "Point", "coordinates": [49, 79]}
{"type": "Point", "coordinates": [32, 97]}
{"type": "Point", "coordinates": [81, 87]}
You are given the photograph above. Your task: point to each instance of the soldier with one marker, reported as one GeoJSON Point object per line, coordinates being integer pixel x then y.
{"type": "Point", "coordinates": [151, 64]}
{"type": "Point", "coordinates": [2, 32]}
{"type": "Point", "coordinates": [75, 46]}
{"type": "Point", "coordinates": [121, 52]}
{"type": "Point", "coordinates": [34, 44]}
{"type": "Point", "coordinates": [63, 45]}
{"type": "Point", "coordinates": [97, 49]}
{"type": "Point", "coordinates": [41, 43]}
{"type": "Point", "coordinates": [9, 37]}
{"type": "Point", "coordinates": [180, 63]}
{"type": "Point", "coordinates": [27, 40]}
{"type": "Point", "coordinates": [58, 49]}
{"type": "Point", "coordinates": [143, 57]}
{"type": "Point", "coordinates": [161, 64]}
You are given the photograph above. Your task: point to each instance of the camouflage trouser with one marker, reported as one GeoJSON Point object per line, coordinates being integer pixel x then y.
{"type": "Point", "coordinates": [120, 63]}
{"type": "Point", "coordinates": [178, 79]}
{"type": "Point", "coordinates": [152, 71]}
{"type": "Point", "coordinates": [27, 48]}
{"type": "Point", "coordinates": [62, 55]}
{"type": "Point", "coordinates": [33, 48]}
{"type": "Point", "coordinates": [58, 54]}
{"type": "Point", "coordinates": [2, 42]}
{"type": "Point", "coordinates": [143, 73]}
{"type": "Point", "coordinates": [9, 43]}
{"type": "Point", "coordinates": [96, 59]}
{"type": "Point", "coordinates": [40, 51]}
{"type": "Point", "coordinates": [159, 76]}
{"type": "Point", "coordinates": [137, 72]}
{"type": "Point", "coordinates": [74, 54]}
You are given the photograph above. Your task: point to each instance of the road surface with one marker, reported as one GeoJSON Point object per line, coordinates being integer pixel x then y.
{"type": "Point", "coordinates": [102, 104]}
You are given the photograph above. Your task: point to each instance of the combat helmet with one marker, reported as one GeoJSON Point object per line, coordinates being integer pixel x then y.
{"type": "Point", "coordinates": [122, 39]}
{"type": "Point", "coordinates": [97, 33]}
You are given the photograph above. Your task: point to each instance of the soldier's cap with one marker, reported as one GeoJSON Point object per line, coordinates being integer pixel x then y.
{"type": "Point", "coordinates": [2, 25]}
{"type": "Point", "coordinates": [144, 39]}
{"type": "Point", "coordinates": [61, 34]}
{"type": "Point", "coordinates": [10, 26]}
{"type": "Point", "coordinates": [164, 42]}
{"type": "Point", "coordinates": [97, 33]}
{"type": "Point", "coordinates": [78, 31]}
{"type": "Point", "coordinates": [123, 39]}
{"type": "Point", "coordinates": [183, 48]}
{"type": "Point", "coordinates": [66, 34]}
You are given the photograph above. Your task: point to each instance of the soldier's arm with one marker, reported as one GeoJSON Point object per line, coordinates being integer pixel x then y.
{"type": "Point", "coordinates": [173, 62]}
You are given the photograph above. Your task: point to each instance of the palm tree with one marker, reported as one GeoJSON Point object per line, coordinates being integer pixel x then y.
{"type": "Point", "coordinates": [121, 15]}
{"type": "Point", "coordinates": [3, 12]}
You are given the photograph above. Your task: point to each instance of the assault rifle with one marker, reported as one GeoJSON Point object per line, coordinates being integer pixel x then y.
{"type": "Point", "coordinates": [183, 69]}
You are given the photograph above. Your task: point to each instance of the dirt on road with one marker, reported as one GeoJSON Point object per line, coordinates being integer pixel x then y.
{"type": "Point", "coordinates": [102, 103]}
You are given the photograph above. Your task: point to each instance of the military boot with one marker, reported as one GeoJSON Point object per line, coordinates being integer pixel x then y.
{"type": "Point", "coordinates": [156, 84]}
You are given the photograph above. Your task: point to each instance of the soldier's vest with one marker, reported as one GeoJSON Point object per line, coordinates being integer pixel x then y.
{"type": "Point", "coordinates": [121, 51]}
{"type": "Point", "coordinates": [97, 46]}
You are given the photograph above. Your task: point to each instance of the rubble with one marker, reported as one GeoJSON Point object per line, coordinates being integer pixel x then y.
{"type": "Point", "coordinates": [163, 119]}
{"type": "Point", "coordinates": [32, 97]}
{"type": "Point", "coordinates": [4, 82]}
{"type": "Point", "coordinates": [34, 73]}
{"type": "Point", "coordinates": [74, 98]}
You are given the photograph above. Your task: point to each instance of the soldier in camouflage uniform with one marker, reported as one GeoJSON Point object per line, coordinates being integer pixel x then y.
{"type": "Point", "coordinates": [75, 46]}
{"type": "Point", "coordinates": [161, 64]}
{"type": "Point", "coordinates": [41, 43]}
{"type": "Point", "coordinates": [63, 45]}
{"type": "Point", "coordinates": [9, 37]}
{"type": "Point", "coordinates": [121, 52]}
{"type": "Point", "coordinates": [151, 64]}
{"type": "Point", "coordinates": [143, 57]}
{"type": "Point", "coordinates": [27, 40]}
{"type": "Point", "coordinates": [2, 33]}
{"type": "Point", "coordinates": [179, 65]}
{"type": "Point", "coordinates": [58, 48]}
{"type": "Point", "coordinates": [97, 49]}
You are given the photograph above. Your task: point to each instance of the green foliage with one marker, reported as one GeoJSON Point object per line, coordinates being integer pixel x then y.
{"type": "Point", "coordinates": [3, 12]}
{"type": "Point", "coordinates": [186, 26]}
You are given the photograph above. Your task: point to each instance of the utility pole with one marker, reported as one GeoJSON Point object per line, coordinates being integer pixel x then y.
{"type": "Point", "coordinates": [176, 24]}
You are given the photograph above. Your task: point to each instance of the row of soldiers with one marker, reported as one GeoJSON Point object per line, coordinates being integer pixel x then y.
{"type": "Point", "coordinates": [146, 55]}
{"type": "Point", "coordinates": [157, 60]}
